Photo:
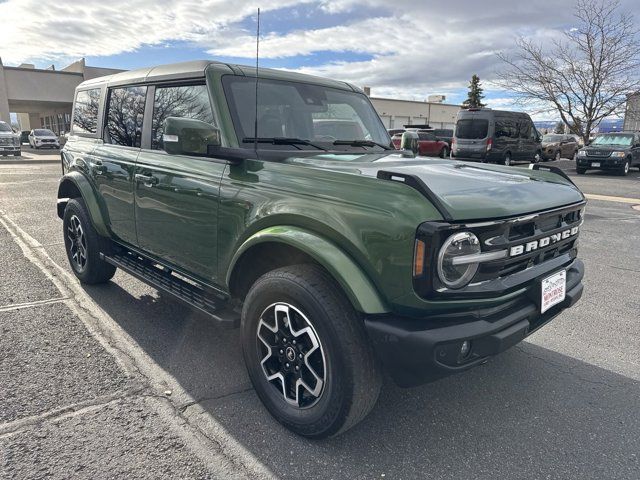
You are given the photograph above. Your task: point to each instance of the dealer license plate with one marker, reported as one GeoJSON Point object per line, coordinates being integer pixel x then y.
{"type": "Point", "coordinates": [553, 289]}
{"type": "Point", "coordinates": [595, 164]}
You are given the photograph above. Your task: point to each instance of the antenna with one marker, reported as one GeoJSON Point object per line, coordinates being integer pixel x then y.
{"type": "Point", "coordinates": [255, 124]}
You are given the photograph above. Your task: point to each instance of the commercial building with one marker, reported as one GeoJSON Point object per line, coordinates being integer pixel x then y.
{"type": "Point", "coordinates": [397, 113]}
{"type": "Point", "coordinates": [43, 97]}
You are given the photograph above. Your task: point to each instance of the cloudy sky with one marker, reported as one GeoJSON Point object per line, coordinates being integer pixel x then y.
{"type": "Point", "coordinates": [401, 48]}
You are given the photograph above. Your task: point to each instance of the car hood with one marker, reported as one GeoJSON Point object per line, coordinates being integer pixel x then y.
{"type": "Point", "coordinates": [550, 144]}
{"type": "Point", "coordinates": [7, 134]}
{"type": "Point", "coordinates": [468, 191]}
{"type": "Point", "coordinates": [606, 148]}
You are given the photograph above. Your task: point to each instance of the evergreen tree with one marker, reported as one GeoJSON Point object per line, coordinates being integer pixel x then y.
{"type": "Point", "coordinates": [475, 95]}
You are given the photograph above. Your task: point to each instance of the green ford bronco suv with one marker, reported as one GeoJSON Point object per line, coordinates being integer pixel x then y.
{"type": "Point", "coordinates": [292, 217]}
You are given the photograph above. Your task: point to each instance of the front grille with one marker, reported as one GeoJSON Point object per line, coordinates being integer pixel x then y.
{"type": "Point", "coordinates": [48, 141]}
{"type": "Point", "coordinates": [520, 232]}
{"type": "Point", "coordinates": [509, 273]}
{"type": "Point", "coordinates": [598, 153]}
{"type": "Point", "coordinates": [6, 141]}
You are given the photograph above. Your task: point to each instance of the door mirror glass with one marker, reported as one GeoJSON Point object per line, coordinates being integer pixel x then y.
{"type": "Point", "coordinates": [409, 142]}
{"type": "Point", "coordinates": [188, 136]}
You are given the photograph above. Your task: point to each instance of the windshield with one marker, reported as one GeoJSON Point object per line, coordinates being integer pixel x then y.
{"type": "Point", "coordinates": [4, 127]}
{"type": "Point", "coordinates": [472, 128]}
{"type": "Point", "coordinates": [43, 133]}
{"type": "Point", "coordinates": [552, 138]}
{"type": "Point", "coordinates": [305, 112]}
{"type": "Point", "coordinates": [624, 140]}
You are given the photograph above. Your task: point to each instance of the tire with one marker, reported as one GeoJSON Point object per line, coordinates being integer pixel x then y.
{"type": "Point", "coordinates": [444, 153]}
{"type": "Point", "coordinates": [343, 359]}
{"type": "Point", "coordinates": [624, 170]}
{"type": "Point", "coordinates": [82, 242]}
{"type": "Point", "coordinates": [558, 156]}
{"type": "Point", "coordinates": [507, 159]}
{"type": "Point", "coordinates": [581, 171]}
{"type": "Point", "coordinates": [537, 157]}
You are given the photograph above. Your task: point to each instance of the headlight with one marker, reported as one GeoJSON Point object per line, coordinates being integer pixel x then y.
{"type": "Point", "coordinates": [582, 153]}
{"type": "Point", "coordinates": [458, 274]}
{"type": "Point", "coordinates": [618, 154]}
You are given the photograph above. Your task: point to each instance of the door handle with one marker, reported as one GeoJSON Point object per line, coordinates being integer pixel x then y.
{"type": "Point", "coordinates": [146, 180]}
{"type": "Point", "coordinates": [98, 167]}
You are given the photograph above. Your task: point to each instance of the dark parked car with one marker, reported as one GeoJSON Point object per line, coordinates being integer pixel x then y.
{"type": "Point", "coordinates": [335, 258]}
{"type": "Point", "coordinates": [428, 144]}
{"type": "Point", "coordinates": [616, 152]}
{"type": "Point", "coordinates": [444, 134]}
{"type": "Point", "coordinates": [495, 136]}
{"type": "Point", "coordinates": [557, 146]}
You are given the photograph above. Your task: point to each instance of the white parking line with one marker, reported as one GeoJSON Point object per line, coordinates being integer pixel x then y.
{"type": "Point", "coordinates": [209, 444]}
{"type": "Point", "coordinates": [609, 198]}
{"type": "Point", "coordinates": [37, 303]}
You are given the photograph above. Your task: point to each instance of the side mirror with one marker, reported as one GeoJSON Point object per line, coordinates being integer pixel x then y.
{"type": "Point", "coordinates": [188, 136]}
{"type": "Point", "coordinates": [409, 143]}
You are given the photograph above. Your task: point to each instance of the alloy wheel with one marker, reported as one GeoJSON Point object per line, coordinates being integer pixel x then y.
{"type": "Point", "coordinates": [77, 243]}
{"type": "Point", "coordinates": [293, 360]}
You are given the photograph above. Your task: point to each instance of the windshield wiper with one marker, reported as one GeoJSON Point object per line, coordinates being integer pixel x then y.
{"type": "Point", "coordinates": [282, 141]}
{"type": "Point", "coordinates": [363, 143]}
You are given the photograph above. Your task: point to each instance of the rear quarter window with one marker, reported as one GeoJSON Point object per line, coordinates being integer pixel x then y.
{"type": "Point", "coordinates": [85, 111]}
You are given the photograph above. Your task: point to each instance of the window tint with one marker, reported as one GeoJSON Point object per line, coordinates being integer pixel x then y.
{"type": "Point", "coordinates": [472, 128]}
{"type": "Point", "coordinates": [124, 117]}
{"type": "Point", "coordinates": [85, 112]}
{"type": "Point", "coordinates": [525, 129]}
{"type": "Point", "coordinates": [190, 101]}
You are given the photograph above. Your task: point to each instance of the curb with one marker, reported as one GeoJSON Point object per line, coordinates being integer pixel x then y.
{"type": "Point", "coordinates": [30, 161]}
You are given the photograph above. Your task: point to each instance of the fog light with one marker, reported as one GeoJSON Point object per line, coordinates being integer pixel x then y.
{"type": "Point", "coordinates": [465, 348]}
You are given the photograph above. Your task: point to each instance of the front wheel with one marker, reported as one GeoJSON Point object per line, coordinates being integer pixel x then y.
{"type": "Point", "coordinates": [558, 156]}
{"type": "Point", "coordinates": [444, 153]}
{"type": "Point", "coordinates": [581, 171]}
{"type": "Point", "coordinates": [84, 245]}
{"type": "Point", "coordinates": [624, 170]}
{"type": "Point", "coordinates": [307, 352]}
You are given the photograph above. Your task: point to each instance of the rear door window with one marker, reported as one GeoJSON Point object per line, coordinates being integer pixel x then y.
{"type": "Point", "coordinates": [125, 115]}
{"type": "Point", "coordinates": [473, 128]}
{"type": "Point", "coordinates": [85, 111]}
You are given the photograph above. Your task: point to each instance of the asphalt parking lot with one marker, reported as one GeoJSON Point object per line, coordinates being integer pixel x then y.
{"type": "Point", "coordinates": [118, 381]}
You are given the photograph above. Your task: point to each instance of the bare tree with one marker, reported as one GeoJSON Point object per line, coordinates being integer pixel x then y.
{"type": "Point", "coordinates": [586, 74]}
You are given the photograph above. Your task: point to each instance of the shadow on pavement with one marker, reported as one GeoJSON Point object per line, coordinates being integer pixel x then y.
{"type": "Point", "coordinates": [529, 413]}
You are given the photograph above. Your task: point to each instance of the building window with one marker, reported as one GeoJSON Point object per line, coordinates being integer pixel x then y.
{"type": "Point", "coordinates": [125, 115]}
{"type": "Point", "coordinates": [189, 101]}
{"type": "Point", "coordinates": [85, 111]}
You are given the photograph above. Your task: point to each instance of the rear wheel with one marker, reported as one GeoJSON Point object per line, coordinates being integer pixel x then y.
{"type": "Point", "coordinates": [307, 352]}
{"type": "Point", "coordinates": [507, 159]}
{"type": "Point", "coordinates": [83, 245]}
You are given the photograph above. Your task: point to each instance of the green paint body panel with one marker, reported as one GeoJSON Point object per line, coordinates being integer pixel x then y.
{"type": "Point", "coordinates": [204, 213]}
{"type": "Point", "coordinates": [350, 276]}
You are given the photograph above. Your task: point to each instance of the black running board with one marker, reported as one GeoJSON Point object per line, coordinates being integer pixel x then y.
{"type": "Point", "coordinates": [181, 288]}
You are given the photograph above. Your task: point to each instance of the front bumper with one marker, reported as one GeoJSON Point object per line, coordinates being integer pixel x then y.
{"type": "Point", "coordinates": [10, 149]}
{"type": "Point", "coordinates": [416, 351]}
{"type": "Point", "coordinates": [604, 163]}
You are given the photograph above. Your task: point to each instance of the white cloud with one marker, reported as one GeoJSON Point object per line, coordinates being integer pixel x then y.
{"type": "Point", "coordinates": [416, 48]}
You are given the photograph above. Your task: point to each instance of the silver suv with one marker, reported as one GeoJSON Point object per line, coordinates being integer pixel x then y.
{"type": "Point", "coordinates": [9, 141]}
